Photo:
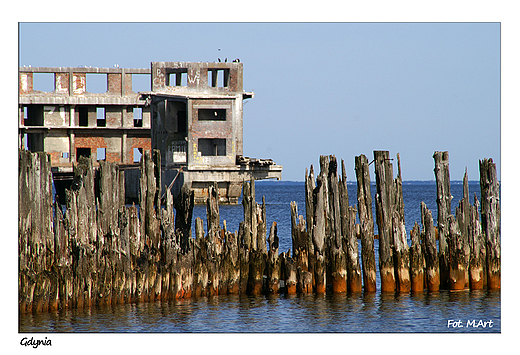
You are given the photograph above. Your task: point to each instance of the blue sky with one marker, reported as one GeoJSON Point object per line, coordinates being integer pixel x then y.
{"type": "Point", "coordinates": [323, 88]}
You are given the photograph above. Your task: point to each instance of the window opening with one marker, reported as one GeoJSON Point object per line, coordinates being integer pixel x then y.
{"type": "Point", "coordinates": [218, 77]}
{"type": "Point", "coordinates": [138, 152]}
{"type": "Point", "coordinates": [141, 82]}
{"type": "Point", "coordinates": [101, 153]}
{"type": "Point", "coordinates": [138, 117]}
{"type": "Point", "coordinates": [65, 155]}
{"type": "Point", "coordinates": [33, 115]}
{"type": "Point", "coordinates": [83, 116]}
{"type": "Point", "coordinates": [101, 118]}
{"type": "Point", "coordinates": [43, 82]}
{"type": "Point", "coordinates": [212, 146]}
{"type": "Point", "coordinates": [96, 83]}
{"type": "Point", "coordinates": [82, 152]}
{"type": "Point", "coordinates": [211, 114]}
{"type": "Point", "coordinates": [178, 77]}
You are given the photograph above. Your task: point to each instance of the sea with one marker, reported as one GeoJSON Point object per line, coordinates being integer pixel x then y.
{"type": "Point", "coordinates": [443, 312]}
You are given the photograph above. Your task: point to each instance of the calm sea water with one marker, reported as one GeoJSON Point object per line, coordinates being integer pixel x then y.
{"type": "Point", "coordinates": [299, 313]}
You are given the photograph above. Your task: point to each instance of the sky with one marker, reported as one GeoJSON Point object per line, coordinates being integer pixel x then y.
{"type": "Point", "coordinates": [323, 88]}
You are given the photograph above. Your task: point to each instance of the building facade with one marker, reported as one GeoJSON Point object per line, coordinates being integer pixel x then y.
{"type": "Point", "coordinates": [193, 114]}
{"type": "Point", "coordinates": [197, 124]}
{"type": "Point", "coordinates": [69, 121]}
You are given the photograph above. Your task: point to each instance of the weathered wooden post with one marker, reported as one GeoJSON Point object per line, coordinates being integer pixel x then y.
{"type": "Point", "coordinates": [200, 272]}
{"type": "Point", "coordinates": [416, 260]}
{"type": "Point", "coordinates": [81, 218]}
{"type": "Point", "coordinates": [366, 222]}
{"type": "Point", "coordinates": [184, 207]}
{"type": "Point", "coordinates": [148, 197]}
{"type": "Point", "coordinates": [290, 273]}
{"type": "Point", "coordinates": [458, 269]}
{"type": "Point", "coordinates": [490, 195]}
{"type": "Point", "coordinates": [337, 259]}
{"type": "Point", "coordinates": [38, 284]}
{"type": "Point", "coordinates": [430, 250]}
{"type": "Point", "coordinates": [318, 235]}
{"type": "Point", "coordinates": [385, 199]}
{"type": "Point", "coordinates": [300, 248]}
{"type": "Point", "coordinates": [401, 253]}
{"type": "Point", "coordinates": [458, 241]}
{"type": "Point", "coordinates": [273, 261]}
{"type": "Point", "coordinates": [477, 248]}
{"type": "Point", "coordinates": [231, 266]}
{"type": "Point", "coordinates": [442, 178]}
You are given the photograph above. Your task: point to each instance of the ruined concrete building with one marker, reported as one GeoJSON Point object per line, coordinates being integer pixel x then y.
{"type": "Point", "coordinates": [193, 115]}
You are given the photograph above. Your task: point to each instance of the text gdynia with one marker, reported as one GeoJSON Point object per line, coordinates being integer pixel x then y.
{"type": "Point", "coordinates": [35, 342]}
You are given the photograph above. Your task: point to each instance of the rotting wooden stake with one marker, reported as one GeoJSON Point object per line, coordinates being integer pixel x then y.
{"type": "Point", "coordinates": [385, 205]}
{"type": "Point", "coordinates": [490, 195]}
{"type": "Point", "coordinates": [416, 260]}
{"type": "Point", "coordinates": [442, 178]}
{"type": "Point", "coordinates": [430, 250]}
{"type": "Point", "coordinates": [364, 198]}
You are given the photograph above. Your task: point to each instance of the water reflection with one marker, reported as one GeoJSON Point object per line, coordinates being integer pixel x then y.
{"type": "Point", "coordinates": [373, 312]}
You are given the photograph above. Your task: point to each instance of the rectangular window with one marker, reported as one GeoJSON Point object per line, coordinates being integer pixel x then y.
{"type": "Point", "coordinates": [212, 147]}
{"type": "Point", "coordinates": [43, 82]}
{"type": "Point", "coordinates": [96, 83]}
{"type": "Point", "coordinates": [82, 152]}
{"type": "Point", "coordinates": [218, 77]}
{"type": "Point", "coordinates": [65, 155]}
{"type": "Point", "coordinates": [33, 115]}
{"type": "Point", "coordinates": [141, 82]}
{"type": "Point", "coordinates": [83, 116]}
{"type": "Point", "coordinates": [211, 114]}
{"type": "Point", "coordinates": [101, 154]}
{"type": "Point", "coordinates": [138, 117]}
{"type": "Point", "coordinates": [177, 77]}
{"type": "Point", "coordinates": [101, 117]}
{"type": "Point", "coordinates": [138, 152]}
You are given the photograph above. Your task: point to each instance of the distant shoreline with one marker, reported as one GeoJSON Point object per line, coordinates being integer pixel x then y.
{"type": "Point", "coordinates": [405, 182]}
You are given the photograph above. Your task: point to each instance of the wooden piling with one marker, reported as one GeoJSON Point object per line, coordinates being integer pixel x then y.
{"type": "Point", "coordinates": [318, 236]}
{"type": "Point", "coordinates": [490, 216]}
{"type": "Point", "coordinates": [385, 200]}
{"type": "Point", "coordinates": [366, 221]}
{"type": "Point", "coordinates": [477, 247]}
{"type": "Point", "coordinates": [442, 178]}
{"type": "Point", "coordinates": [430, 250]}
{"type": "Point", "coordinates": [100, 252]}
{"type": "Point", "coordinates": [273, 261]}
{"type": "Point", "coordinates": [416, 260]}
{"type": "Point", "coordinates": [458, 268]}
{"type": "Point", "coordinates": [290, 273]}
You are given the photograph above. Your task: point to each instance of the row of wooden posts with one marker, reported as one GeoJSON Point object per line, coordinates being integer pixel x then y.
{"type": "Point", "coordinates": [102, 252]}
{"type": "Point", "coordinates": [326, 246]}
